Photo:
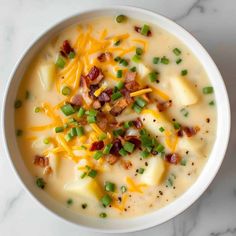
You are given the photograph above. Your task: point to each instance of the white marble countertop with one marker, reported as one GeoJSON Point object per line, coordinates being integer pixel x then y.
{"type": "Point", "coordinates": [213, 23]}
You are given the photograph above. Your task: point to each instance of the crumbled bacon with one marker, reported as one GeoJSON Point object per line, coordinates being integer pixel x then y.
{"type": "Point", "coordinates": [95, 75]}
{"type": "Point", "coordinates": [63, 53]}
{"type": "Point", "coordinates": [127, 165]}
{"type": "Point", "coordinates": [118, 107]}
{"type": "Point", "coordinates": [107, 56]}
{"type": "Point", "coordinates": [180, 133]}
{"type": "Point", "coordinates": [132, 86]}
{"type": "Point", "coordinates": [97, 105]}
{"type": "Point", "coordinates": [126, 93]}
{"type": "Point", "coordinates": [104, 97]}
{"type": "Point", "coordinates": [162, 106]}
{"type": "Point", "coordinates": [138, 123]}
{"type": "Point", "coordinates": [111, 159]}
{"type": "Point", "coordinates": [77, 100]}
{"type": "Point", "coordinates": [47, 170]}
{"type": "Point", "coordinates": [138, 30]}
{"type": "Point", "coordinates": [97, 146]}
{"type": "Point", "coordinates": [41, 161]}
{"type": "Point", "coordinates": [130, 76]}
{"type": "Point", "coordinates": [92, 89]}
{"type": "Point", "coordinates": [66, 47]}
{"type": "Point", "coordinates": [172, 158]}
{"type": "Point", "coordinates": [190, 131]}
{"type": "Point", "coordinates": [83, 82]}
{"type": "Point", "coordinates": [116, 147]}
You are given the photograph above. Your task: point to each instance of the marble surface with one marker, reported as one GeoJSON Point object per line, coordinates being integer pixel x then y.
{"type": "Point", "coordinates": [213, 23]}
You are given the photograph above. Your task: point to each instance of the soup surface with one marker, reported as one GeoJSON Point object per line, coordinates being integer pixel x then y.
{"type": "Point", "coordinates": [115, 117]}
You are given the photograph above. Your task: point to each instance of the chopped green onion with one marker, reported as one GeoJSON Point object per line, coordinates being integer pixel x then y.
{"type": "Point", "coordinates": [71, 120]}
{"type": "Point", "coordinates": [136, 58]}
{"type": "Point", "coordinates": [106, 200]}
{"type": "Point", "coordinates": [46, 141]}
{"type": "Point", "coordinates": [116, 96]}
{"type": "Point", "coordinates": [60, 62]}
{"type": "Point", "coordinates": [119, 74]}
{"type": "Point", "coordinates": [110, 187]}
{"type": "Point", "coordinates": [81, 112]}
{"type": "Point", "coordinates": [118, 132]}
{"type": "Point", "coordinates": [117, 43]}
{"type": "Point", "coordinates": [133, 69]}
{"type": "Point", "coordinates": [153, 76]}
{"type": "Point", "coordinates": [155, 60]}
{"type": "Point", "coordinates": [207, 90]}
{"type": "Point", "coordinates": [120, 85]}
{"type": "Point", "coordinates": [140, 171]}
{"type": "Point", "coordinates": [211, 103]}
{"type": "Point", "coordinates": [184, 112]}
{"type": "Point", "coordinates": [79, 131]}
{"type": "Point", "coordinates": [92, 173]}
{"type": "Point", "coordinates": [144, 30]}
{"type": "Point", "coordinates": [184, 72]}
{"type": "Point", "coordinates": [176, 51]}
{"type": "Point", "coordinates": [159, 148]}
{"type": "Point", "coordinates": [73, 132]}
{"type": "Point", "coordinates": [40, 183]}
{"type": "Point", "coordinates": [84, 205]}
{"type": "Point", "coordinates": [121, 18]}
{"type": "Point", "coordinates": [145, 153]}
{"type": "Point", "coordinates": [117, 59]}
{"type": "Point", "coordinates": [102, 215]}
{"type": "Point", "coordinates": [183, 162]}
{"type": "Point", "coordinates": [123, 62]}
{"type": "Point", "coordinates": [59, 129]}
{"type": "Point", "coordinates": [71, 55]}
{"type": "Point", "coordinates": [161, 129]}
{"type": "Point", "coordinates": [66, 91]}
{"type": "Point", "coordinates": [102, 136]}
{"type": "Point", "coordinates": [178, 61]}
{"type": "Point", "coordinates": [67, 109]}
{"type": "Point", "coordinates": [170, 182]}
{"type": "Point", "coordinates": [107, 148]}
{"type": "Point", "coordinates": [18, 104]}
{"type": "Point", "coordinates": [165, 60]}
{"type": "Point", "coordinates": [37, 109]}
{"type": "Point", "coordinates": [91, 112]}
{"type": "Point", "coordinates": [98, 155]}
{"type": "Point", "coordinates": [19, 132]}
{"type": "Point", "coordinates": [129, 147]}
{"type": "Point", "coordinates": [91, 119]}
{"type": "Point", "coordinates": [176, 125]}
{"type": "Point", "coordinates": [69, 201]}
{"type": "Point", "coordinates": [128, 124]}
{"type": "Point", "coordinates": [137, 108]}
{"type": "Point", "coordinates": [139, 51]}
{"type": "Point", "coordinates": [68, 137]}
{"type": "Point", "coordinates": [123, 189]}
{"type": "Point", "coordinates": [146, 140]}
{"type": "Point", "coordinates": [123, 152]}
{"type": "Point", "coordinates": [141, 102]}
{"type": "Point", "coordinates": [83, 175]}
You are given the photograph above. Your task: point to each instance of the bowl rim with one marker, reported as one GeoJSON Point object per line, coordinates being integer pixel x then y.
{"type": "Point", "coordinates": [227, 119]}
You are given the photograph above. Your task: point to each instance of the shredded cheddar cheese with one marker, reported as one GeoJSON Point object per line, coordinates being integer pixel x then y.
{"type": "Point", "coordinates": [133, 187]}
{"type": "Point", "coordinates": [100, 90]}
{"type": "Point", "coordinates": [140, 92]}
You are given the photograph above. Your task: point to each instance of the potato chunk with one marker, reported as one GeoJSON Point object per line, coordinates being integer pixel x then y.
{"type": "Point", "coordinates": [154, 172]}
{"type": "Point", "coordinates": [142, 70]}
{"type": "Point", "coordinates": [47, 75]}
{"type": "Point", "coordinates": [184, 91]}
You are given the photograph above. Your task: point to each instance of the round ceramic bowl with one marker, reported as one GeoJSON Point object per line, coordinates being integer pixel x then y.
{"type": "Point", "coordinates": [157, 217]}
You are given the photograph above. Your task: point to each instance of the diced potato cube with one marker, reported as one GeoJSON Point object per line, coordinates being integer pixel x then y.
{"type": "Point", "coordinates": [54, 163]}
{"type": "Point", "coordinates": [184, 91]}
{"type": "Point", "coordinates": [47, 75]}
{"type": "Point", "coordinates": [154, 121]}
{"type": "Point", "coordinates": [142, 70]}
{"type": "Point", "coordinates": [154, 172]}
{"type": "Point", "coordinates": [86, 188]}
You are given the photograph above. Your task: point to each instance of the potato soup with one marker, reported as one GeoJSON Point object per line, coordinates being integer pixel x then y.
{"type": "Point", "coordinates": [115, 117]}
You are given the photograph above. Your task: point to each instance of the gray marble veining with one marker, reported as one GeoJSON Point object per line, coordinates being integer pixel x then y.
{"type": "Point", "coordinates": [213, 23]}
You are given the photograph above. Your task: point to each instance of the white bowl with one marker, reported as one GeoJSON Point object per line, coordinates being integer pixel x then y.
{"type": "Point", "coordinates": [157, 217]}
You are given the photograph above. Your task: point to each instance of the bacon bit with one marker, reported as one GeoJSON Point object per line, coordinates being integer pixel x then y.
{"type": "Point", "coordinates": [97, 105]}
{"type": "Point", "coordinates": [97, 146]}
{"type": "Point", "coordinates": [118, 107]}
{"type": "Point", "coordinates": [77, 100]}
{"type": "Point", "coordinates": [134, 140]}
{"type": "Point", "coordinates": [125, 92]}
{"type": "Point", "coordinates": [132, 86]}
{"type": "Point", "coordinates": [172, 158]}
{"type": "Point", "coordinates": [63, 53]}
{"type": "Point", "coordinates": [116, 147]}
{"type": "Point", "coordinates": [190, 131]}
{"type": "Point", "coordinates": [138, 123]}
{"type": "Point", "coordinates": [107, 56]}
{"type": "Point", "coordinates": [127, 165]}
{"type": "Point", "coordinates": [138, 30]}
{"type": "Point", "coordinates": [180, 133]}
{"type": "Point", "coordinates": [130, 76]}
{"type": "Point", "coordinates": [104, 97]}
{"type": "Point", "coordinates": [111, 159]}
{"type": "Point", "coordinates": [92, 89]}
{"type": "Point", "coordinates": [162, 106]}
{"type": "Point", "coordinates": [66, 47]}
{"type": "Point", "coordinates": [41, 161]}
{"type": "Point", "coordinates": [83, 82]}
{"type": "Point", "coordinates": [47, 170]}
{"type": "Point", "coordinates": [95, 75]}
